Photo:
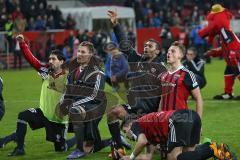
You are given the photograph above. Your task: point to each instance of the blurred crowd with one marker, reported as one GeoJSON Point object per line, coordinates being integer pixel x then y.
{"type": "Point", "coordinates": [32, 15]}
{"type": "Point", "coordinates": [155, 13]}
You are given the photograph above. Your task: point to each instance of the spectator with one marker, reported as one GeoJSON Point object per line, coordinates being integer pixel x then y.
{"type": "Point", "coordinates": [31, 25]}
{"type": "Point", "coordinates": [32, 12]}
{"type": "Point", "coordinates": [118, 67]}
{"type": "Point", "coordinates": [40, 23]}
{"type": "Point", "coordinates": [199, 43]}
{"type": "Point", "coordinates": [17, 55]}
{"type": "Point", "coordinates": [50, 23]}
{"type": "Point", "coordinates": [196, 65]}
{"type": "Point", "coordinates": [108, 69]}
{"type": "Point", "coordinates": [167, 38]}
{"type": "Point", "coordinates": [49, 10]}
{"type": "Point", "coordinates": [99, 39]}
{"type": "Point", "coordinates": [70, 22]}
{"type": "Point", "coordinates": [67, 53]}
{"type": "Point", "coordinates": [51, 44]}
{"type": "Point", "coordinates": [9, 29]}
{"type": "Point", "coordinates": [60, 23]}
{"type": "Point", "coordinates": [17, 13]}
{"type": "Point", "coordinates": [156, 20]}
{"type": "Point", "coordinates": [140, 24]}
{"type": "Point", "coordinates": [176, 19]}
{"type": "Point", "coordinates": [19, 24]}
{"type": "Point", "coordinates": [183, 36]}
{"type": "Point", "coordinates": [41, 10]}
{"type": "Point", "coordinates": [3, 19]}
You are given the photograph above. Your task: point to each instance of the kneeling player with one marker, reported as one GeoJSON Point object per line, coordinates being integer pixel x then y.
{"type": "Point", "coordinates": [177, 133]}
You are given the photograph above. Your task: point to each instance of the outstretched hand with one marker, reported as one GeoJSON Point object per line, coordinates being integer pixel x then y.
{"type": "Point", "coordinates": [20, 38]}
{"type": "Point", "coordinates": [113, 16]}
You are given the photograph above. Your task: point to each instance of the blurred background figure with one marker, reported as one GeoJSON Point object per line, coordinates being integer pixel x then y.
{"type": "Point", "coordinates": [118, 67]}
{"type": "Point", "coordinates": [17, 55]}
{"type": "Point", "coordinates": [2, 108]}
{"type": "Point", "coordinates": [196, 65]}
{"type": "Point", "coordinates": [167, 38]}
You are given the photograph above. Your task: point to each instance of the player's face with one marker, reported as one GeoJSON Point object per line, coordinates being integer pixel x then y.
{"type": "Point", "coordinates": [114, 52]}
{"type": "Point", "coordinates": [128, 132]}
{"type": "Point", "coordinates": [83, 55]}
{"type": "Point", "coordinates": [54, 63]}
{"type": "Point", "coordinates": [150, 49]}
{"type": "Point", "coordinates": [174, 55]}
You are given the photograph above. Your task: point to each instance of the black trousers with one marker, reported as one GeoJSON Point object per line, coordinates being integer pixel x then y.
{"type": "Point", "coordinates": [2, 110]}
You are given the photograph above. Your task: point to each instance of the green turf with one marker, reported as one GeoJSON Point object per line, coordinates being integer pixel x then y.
{"type": "Point", "coordinates": [22, 88]}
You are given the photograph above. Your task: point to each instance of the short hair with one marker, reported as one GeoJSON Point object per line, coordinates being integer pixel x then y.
{"type": "Point", "coordinates": [158, 46]}
{"type": "Point", "coordinates": [193, 49]}
{"type": "Point", "coordinates": [110, 46]}
{"type": "Point", "coordinates": [89, 45]}
{"type": "Point", "coordinates": [180, 46]}
{"type": "Point", "coordinates": [59, 54]}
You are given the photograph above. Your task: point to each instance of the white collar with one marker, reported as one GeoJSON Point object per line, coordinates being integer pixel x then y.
{"type": "Point", "coordinates": [180, 67]}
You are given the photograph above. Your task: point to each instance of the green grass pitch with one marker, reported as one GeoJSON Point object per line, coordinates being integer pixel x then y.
{"type": "Point", "coordinates": [22, 90]}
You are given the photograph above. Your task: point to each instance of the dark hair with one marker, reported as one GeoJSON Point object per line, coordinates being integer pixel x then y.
{"type": "Point", "coordinates": [180, 46]}
{"type": "Point", "coordinates": [59, 54]}
{"type": "Point", "coordinates": [110, 46]}
{"type": "Point", "coordinates": [193, 49]}
{"type": "Point", "coordinates": [89, 45]}
{"type": "Point", "coordinates": [158, 46]}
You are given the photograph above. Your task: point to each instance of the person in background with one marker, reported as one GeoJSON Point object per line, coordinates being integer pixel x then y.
{"type": "Point", "coordinates": [118, 67]}
{"type": "Point", "coordinates": [17, 56]}
{"type": "Point", "coordinates": [196, 65]}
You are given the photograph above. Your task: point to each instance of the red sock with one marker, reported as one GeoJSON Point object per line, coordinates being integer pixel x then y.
{"type": "Point", "coordinates": [229, 82]}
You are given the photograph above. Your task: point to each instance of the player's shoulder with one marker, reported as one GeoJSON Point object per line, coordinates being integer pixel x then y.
{"type": "Point", "coordinates": [187, 71]}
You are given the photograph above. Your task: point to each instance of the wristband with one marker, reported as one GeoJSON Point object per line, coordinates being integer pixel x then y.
{"type": "Point", "coordinates": [132, 157]}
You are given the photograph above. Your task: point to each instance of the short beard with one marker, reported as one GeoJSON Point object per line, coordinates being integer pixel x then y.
{"type": "Point", "coordinates": [50, 70]}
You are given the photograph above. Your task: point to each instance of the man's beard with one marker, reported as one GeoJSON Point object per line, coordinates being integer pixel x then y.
{"type": "Point", "coordinates": [146, 56]}
{"type": "Point", "coordinates": [51, 70]}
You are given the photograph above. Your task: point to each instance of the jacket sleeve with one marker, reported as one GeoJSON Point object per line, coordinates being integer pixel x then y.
{"type": "Point", "coordinates": [34, 62]}
{"type": "Point", "coordinates": [124, 66]}
{"type": "Point", "coordinates": [125, 45]}
{"type": "Point", "coordinates": [92, 93]}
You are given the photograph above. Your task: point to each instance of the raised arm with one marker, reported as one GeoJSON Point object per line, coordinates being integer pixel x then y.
{"type": "Point", "coordinates": [34, 62]}
{"type": "Point", "coordinates": [124, 44]}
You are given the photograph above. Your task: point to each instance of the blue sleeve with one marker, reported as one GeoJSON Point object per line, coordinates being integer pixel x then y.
{"type": "Point", "coordinates": [124, 67]}
{"type": "Point", "coordinates": [108, 67]}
